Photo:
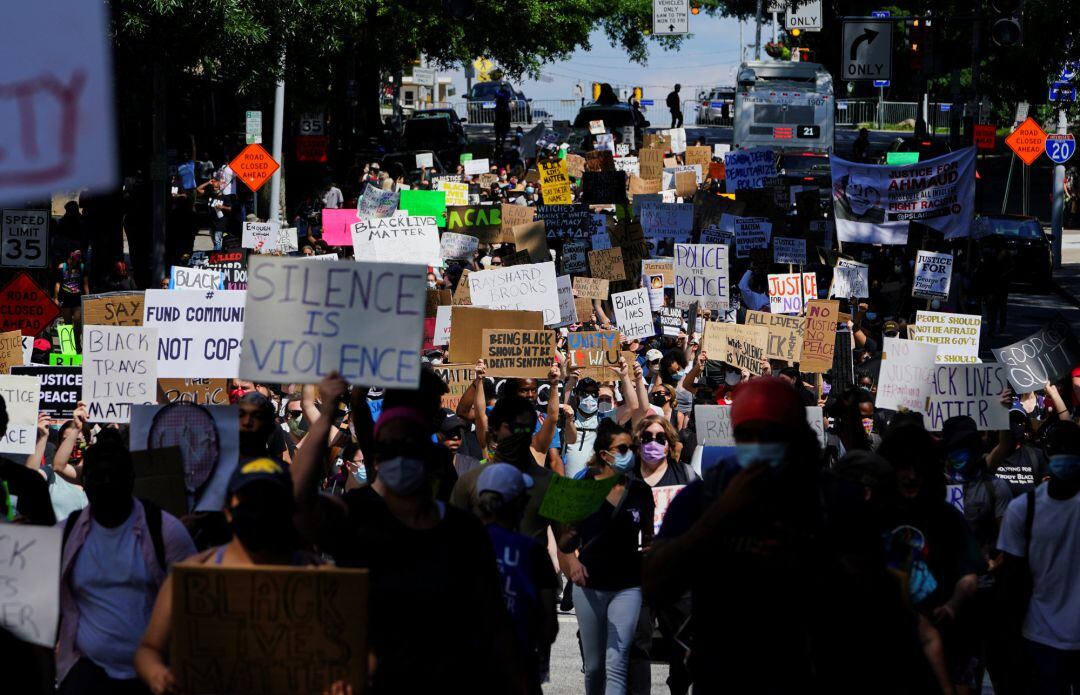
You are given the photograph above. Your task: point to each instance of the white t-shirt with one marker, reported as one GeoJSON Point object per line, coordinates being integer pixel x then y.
{"type": "Point", "coordinates": [1053, 617]}
{"type": "Point", "coordinates": [333, 199]}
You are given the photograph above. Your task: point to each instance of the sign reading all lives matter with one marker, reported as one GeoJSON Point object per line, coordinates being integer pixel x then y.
{"type": "Point", "coordinates": [933, 273]}
{"type": "Point", "coordinates": [119, 370]}
{"type": "Point", "coordinates": [364, 320]}
{"type": "Point", "coordinates": [24, 238]}
{"type": "Point", "coordinates": [199, 333]}
{"type": "Point", "coordinates": [21, 395]}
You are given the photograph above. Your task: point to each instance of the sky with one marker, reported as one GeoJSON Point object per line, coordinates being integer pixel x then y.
{"type": "Point", "coordinates": [706, 59]}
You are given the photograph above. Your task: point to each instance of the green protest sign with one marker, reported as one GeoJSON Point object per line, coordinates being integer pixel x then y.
{"type": "Point", "coordinates": [425, 204]}
{"type": "Point", "coordinates": [901, 158]}
{"type": "Point", "coordinates": [66, 334]}
{"type": "Point", "coordinates": [568, 500]}
{"type": "Point", "coordinates": [57, 360]}
{"type": "Point", "coordinates": [465, 157]}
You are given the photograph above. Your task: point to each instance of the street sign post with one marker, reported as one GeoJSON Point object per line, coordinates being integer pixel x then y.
{"type": "Point", "coordinates": [867, 50]}
{"type": "Point", "coordinates": [424, 77]}
{"type": "Point", "coordinates": [806, 17]}
{"type": "Point", "coordinates": [1028, 141]}
{"type": "Point", "coordinates": [254, 127]}
{"type": "Point", "coordinates": [1060, 148]}
{"type": "Point", "coordinates": [24, 238]}
{"type": "Point", "coordinates": [254, 166]}
{"type": "Point", "coordinates": [670, 17]}
{"type": "Point", "coordinates": [30, 309]}
{"type": "Point", "coordinates": [882, 83]}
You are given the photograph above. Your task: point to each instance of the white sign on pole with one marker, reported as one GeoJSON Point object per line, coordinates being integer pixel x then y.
{"type": "Point", "coordinates": [409, 239]}
{"type": "Point", "coordinates": [24, 238]}
{"type": "Point", "coordinates": [181, 278]}
{"type": "Point", "coordinates": [805, 17]}
{"type": "Point", "coordinates": [789, 250]}
{"type": "Point", "coordinates": [425, 77]}
{"type": "Point", "coordinates": [933, 273]}
{"type": "Point", "coordinates": [850, 279]}
{"type": "Point", "coordinates": [30, 567]}
{"type": "Point", "coordinates": [198, 333]}
{"type": "Point", "coordinates": [475, 167]}
{"type": "Point", "coordinates": [253, 128]}
{"type": "Point", "coordinates": [867, 50]}
{"type": "Point", "coordinates": [633, 313]}
{"type": "Point", "coordinates": [529, 287]}
{"type": "Point", "coordinates": [968, 389]}
{"type": "Point", "coordinates": [956, 335]}
{"type": "Point", "coordinates": [701, 276]}
{"type": "Point", "coordinates": [670, 17]}
{"type": "Point", "coordinates": [907, 372]}
{"type": "Point", "coordinates": [21, 395]}
{"type": "Point", "coordinates": [364, 320]}
{"type": "Point", "coordinates": [119, 370]}
{"type": "Point", "coordinates": [260, 235]}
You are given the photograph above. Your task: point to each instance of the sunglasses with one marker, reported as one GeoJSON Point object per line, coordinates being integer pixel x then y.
{"type": "Point", "coordinates": [622, 448]}
{"type": "Point", "coordinates": [659, 438]}
{"type": "Point", "coordinates": [295, 413]}
{"type": "Point", "coordinates": [654, 361]}
{"type": "Point", "coordinates": [605, 399]}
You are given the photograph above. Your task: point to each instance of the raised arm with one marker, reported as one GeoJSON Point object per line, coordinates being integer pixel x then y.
{"type": "Point", "coordinates": [480, 405]}
{"type": "Point", "coordinates": [690, 379]}
{"type": "Point", "coordinates": [542, 439]}
{"type": "Point", "coordinates": [68, 440]}
{"type": "Point", "coordinates": [306, 469]}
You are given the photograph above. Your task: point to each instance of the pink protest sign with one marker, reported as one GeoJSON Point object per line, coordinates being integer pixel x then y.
{"type": "Point", "coordinates": [337, 226]}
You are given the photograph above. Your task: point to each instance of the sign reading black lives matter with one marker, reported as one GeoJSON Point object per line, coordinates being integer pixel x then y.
{"type": "Point", "coordinates": [1044, 356]}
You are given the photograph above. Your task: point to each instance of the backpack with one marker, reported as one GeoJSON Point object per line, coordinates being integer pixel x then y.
{"type": "Point", "coordinates": [153, 524]}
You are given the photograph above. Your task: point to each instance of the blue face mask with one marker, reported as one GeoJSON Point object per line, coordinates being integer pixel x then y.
{"type": "Point", "coordinates": [588, 405]}
{"type": "Point", "coordinates": [623, 462]}
{"type": "Point", "coordinates": [771, 453]}
{"type": "Point", "coordinates": [1065, 467]}
{"type": "Point", "coordinates": [529, 190]}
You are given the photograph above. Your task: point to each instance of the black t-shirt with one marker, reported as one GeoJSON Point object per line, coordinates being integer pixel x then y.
{"type": "Point", "coordinates": [1023, 469]}
{"type": "Point", "coordinates": [32, 491]}
{"type": "Point", "coordinates": [612, 541]}
{"type": "Point", "coordinates": [435, 601]}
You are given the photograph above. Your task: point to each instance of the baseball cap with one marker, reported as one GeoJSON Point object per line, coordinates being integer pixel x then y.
{"type": "Point", "coordinates": [257, 470]}
{"type": "Point", "coordinates": [504, 479]}
{"type": "Point", "coordinates": [451, 423]}
{"type": "Point", "coordinates": [890, 327]}
{"type": "Point", "coordinates": [958, 432]}
{"type": "Point", "coordinates": [654, 355]}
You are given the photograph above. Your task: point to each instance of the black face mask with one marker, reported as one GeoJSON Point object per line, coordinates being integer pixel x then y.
{"type": "Point", "coordinates": [110, 505]}
{"type": "Point", "coordinates": [254, 443]}
{"type": "Point", "coordinates": [659, 399]}
{"type": "Point", "coordinates": [514, 449]}
{"type": "Point", "coordinates": [263, 525]}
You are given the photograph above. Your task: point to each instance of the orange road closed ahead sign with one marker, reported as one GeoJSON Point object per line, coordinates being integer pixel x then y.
{"type": "Point", "coordinates": [1028, 141]}
{"type": "Point", "coordinates": [255, 166]}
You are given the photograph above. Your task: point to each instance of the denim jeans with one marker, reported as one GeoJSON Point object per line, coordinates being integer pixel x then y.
{"type": "Point", "coordinates": [217, 235]}
{"type": "Point", "coordinates": [607, 620]}
{"type": "Point", "coordinates": [1053, 671]}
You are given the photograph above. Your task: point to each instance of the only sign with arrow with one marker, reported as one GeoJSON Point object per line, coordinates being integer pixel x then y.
{"type": "Point", "coordinates": [867, 50]}
{"type": "Point", "coordinates": [670, 17]}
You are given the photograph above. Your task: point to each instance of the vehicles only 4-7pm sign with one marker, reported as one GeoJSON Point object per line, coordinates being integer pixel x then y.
{"type": "Point", "coordinates": [670, 17]}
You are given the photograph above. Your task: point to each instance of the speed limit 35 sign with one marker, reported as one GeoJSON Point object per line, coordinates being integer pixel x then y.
{"type": "Point", "coordinates": [23, 238]}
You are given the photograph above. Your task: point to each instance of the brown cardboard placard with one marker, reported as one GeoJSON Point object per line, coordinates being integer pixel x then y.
{"type": "Point", "coordinates": [785, 334]}
{"type": "Point", "coordinates": [436, 299]}
{"type": "Point", "coordinates": [685, 184]}
{"type": "Point", "coordinates": [698, 154]}
{"type": "Point", "coordinates": [256, 628]}
{"type": "Point", "coordinates": [819, 337]}
{"type": "Point", "coordinates": [591, 288]}
{"type": "Point", "coordinates": [745, 346]}
{"type": "Point", "coordinates": [575, 165]}
{"type": "Point", "coordinates": [199, 391]}
{"type": "Point", "coordinates": [531, 237]}
{"type": "Point", "coordinates": [585, 309]}
{"type": "Point", "coordinates": [521, 257]}
{"type": "Point", "coordinates": [664, 267]}
{"type": "Point", "coordinates": [651, 165]}
{"type": "Point", "coordinates": [512, 216]}
{"type": "Point", "coordinates": [462, 295]}
{"type": "Point", "coordinates": [713, 339]}
{"type": "Point", "coordinates": [458, 377]}
{"type": "Point", "coordinates": [113, 309]}
{"type": "Point", "coordinates": [599, 160]}
{"type": "Point", "coordinates": [467, 324]}
{"type": "Point", "coordinates": [518, 353]}
{"type": "Point", "coordinates": [640, 186]}
{"type": "Point", "coordinates": [11, 354]}
{"type": "Point", "coordinates": [481, 221]}
{"type": "Point", "coordinates": [607, 264]}
{"type": "Point", "coordinates": [595, 352]}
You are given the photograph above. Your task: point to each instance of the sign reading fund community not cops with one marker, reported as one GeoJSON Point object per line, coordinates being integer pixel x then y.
{"type": "Point", "coordinates": [304, 320]}
{"type": "Point", "coordinates": [198, 332]}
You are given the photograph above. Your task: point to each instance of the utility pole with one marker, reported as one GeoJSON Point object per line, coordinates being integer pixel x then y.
{"type": "Point", "coordinates": [774, 28]}
{"type": "Point", "coordinates": [279, 118]}
{"type": "Point", "coordinates": [159, 175]}
{"type": "Point", "coordinates": [757, 29]}
{"type": "Point", "coordinates": [1057, 212]}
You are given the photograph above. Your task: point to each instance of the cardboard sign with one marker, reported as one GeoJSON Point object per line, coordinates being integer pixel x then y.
{"type": "Point", "coordinates": [745, 346]}
{"type": "Point", "coordinates": [603, 188]}
{"type": "Point", "coordinates": [819, 335]}
{"type": "Point", "coordinates": [1047, 355]}
{"type": "Point", "coordinates": [334, 306]}
{"type": "Point", "coordinates": [468, 323]}
{"type": "Point", "coordinates": [457, 192]}
{"type": "Point", "coordinates": [701, 275]}
{"type": "Point", "coordinates": [788, 250]}
{"type": "Point", "coordinates": [956, 335]}
{"type": "Point", "coordinates": [198, 391]}
{"type": "Point", "coordinates": [11, 351]}
{"type": "Point", "coordinates": [407, 239]}
{"type": "Point", "coordinates": [651, 163]}
{"type": "Point", "coordinates": [512, 216]}
{"type": "Point", "coordinates": [700, 155]}
{"type": "Point", "coordinates": [633, 314]}
{"type": "Point", "coordinates": [119, 370]}
{"type": "Point", "coordinates": [713, 424]}
{"type": "Point", "coordinates": [599, 160]}
{"type": "Point", "coordinates": [260, 235]}
{"type": "Point", "coordinates": [181, 278]}
{"type": "Point", "coordinates": [751, 233]}
{"type": "Point", "coordinates": [457, 377]}
{"type": "Point", "coordinates": [597, 352]}
{"type": "Point", "coordinates": [461, 292]}
{"type": "Point", "coordinates": [518, 353]}
{"type": "Point", "coordinates": [223, 619]}
{"type": "Point", "coordinates": [664, 268]}
{"type": "Point", "coordinates": [607, 264]}
{"type": "Point", "coordinates": [568, 500]}
{"type": "Point", "coordinates": [21, 396]}
{"type": "Point", "coordinates": [30, 566]}
{"type": "Point", "coordinates": [850, 279]}
{"type": "Point", "coordinates": [592, 288]}
{"type": "Point", "coordinates": [532, 237]}
{"type": "Point", "coordinates": [933, 273]}
{"type": "Point", "coordinates": [968, 389]}
{"type": "Point", "coordinates": [555, 182]}
{"type": "Point", "coordinates": [575, 164]}
{"type": "Point", "coordinates": [785, 295]}
{"type": "Point", "coordinates": [907, 372]}
{"type": "Point", "coordinates": [422, 203]}
{"type": "Point", "coordinates": [785, 334]}
{"type": "Point", "coordinates": [434, 300]}
{"type": "Point", "coordinates": [529, 287]}
{"type": "Point", "coordinates": [198, 333]}
{"type": "Point", "coordinates": [28, 307]}
{"type": "Point", "coordinates": [24, 238]}
{"type": "Point", "coordinates": [375, 202]}
{"type": "Point", "coordinates": [454, 246]}
{"type": "Point", "coordinates": [60, 388]}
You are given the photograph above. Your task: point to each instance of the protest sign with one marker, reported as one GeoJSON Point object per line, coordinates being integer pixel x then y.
{"type": "Point", "coordinates": [843, 368]}
{"type": "Point", "coordinates": [651, 163]}
{"type": "Point", "coordinates": [408, 239]}
{"type": "Point", "coordinates": [599, 160]}
{"type": "Point", "coordinates": [11, 351]}
{"type": "Point", "coordinates": [566, 221]}
{"type": "Point", "coordinates": [662, 496]}
{"type": "Point", "coordinates": [699, 155]}
{"type": "Point", "coordinates": [1047, 355]}
{"type": "Point", "coordinates": [24, 238]}
{"type": "Point", "coordinates": [933, 273]}
{"type": "Point", "coordinates": [532, 238]}
{"type": "Point", "coordinates": [457, 192]}
{"type": "Point", "coordinates": [956, 335]}
{"type": "Point", "coordinates": [198, 333]}
{"type": "Point", "coordinates": [788, 250]}
{"type": "Point", "coordinates": [973, 390]}
{"type": "Point", "coordinates": [906, 377]}
{"type": "Point", "coordinates": [819, 335]}
{"type": "Point", "coordinates": [481, 221]}
{"type": "Point", "coordinates": [671, 321]}
{"type": "Point", "coordinates": [603, 188]}
{"type": "Point", "coordinates": [593, 288]}
{"type": "Point", "coordinates": [181, 278]}
{"type": "Point", "coordinates": [574, 257]}
{"type": "Point", "coordinates": [785, 294]}
{"type": "Point", "coordinates": [335, 225]}
{"type": "Point", "coordinates": [475, 167]}
{"type": "Point", "coordinates": [119, 370]}
{"type": "Point", "coordinates": [518, 353]}
{"type": "Point", "coordinates": [633, 313]}
{"type": "Point", "coordinates": [467, 324]}
{"type": "Point", "coordinates": [874, 204]}
{"type": "Point", "coordinates": [441, 335]}
{"type": "Point", "coordinates": [567, 308]}
{"type": "Point", "coordinates": [744, 346]}
{"type": "Point", "coordinates": [425, 160]}
{"type": "Point", "coordinates": [375, 202]}
{"type": "Point", "coordinates": [458, 246]}
{"type": "Point", "coordinates": [461, 292]}
{"type": "Point", "coordinates": [751, 233]}
{"type": "Point", "coordinates": [662, 268]}
{"type": "Point", "coordinates": [336, 305]}
{"type": "Point", "coordinates": [748, 168]}
{"type": "Point", "coordinates": [685, 185]}
{"type": "Point", "coordinates": [529, 287]}
{"type": "Point", "coordinates": [850, 279]}
{"type": "Point", "coordinates": [670, 176]}
{"type": "Point", "coordinates": [594, 351]}
{"type": "Point", "coordinates": [231, 264]}
{"type": "Point", "coordinates": [223, 619]}
{"type": "Point", "coordinates": [417, 203]}
{"type": "Point", "coordinates": [56, 359]}
{"type": "Point", "coordinates": [713, 425]}
{"type": "Point", "coordinates": [198, 391]}
{"type": "Point", "coordinates": [260, 235]}
{"type": "Point", "coordinates": [678, 140]}
{"type": "Point", "coordinates": [60, 388]}
{"type": "Point", "coordinates": [458, 377]}
{"type": "Point", "coordinates": [30, 569]}
{"type": "Point", "coordinates": [286, 240]}
{"type": "Point", "coordinates": [575, 164]}
{"type": "Point", "coordinates": [555, 182]}
{"type": "Point", "coordinates": [433, 300]}
{"type": "Point", "coordinates": [674, 221]}
{"type": "Point", "coordinates": [815, 417]}
{"type": "Point", "coordinates": [607, 264]}
{"type": "Point", "coordinates": [514, 215]}
{"type": "Point", "coordinates": [21, 396]}
{"type": "Point", "coordinates": [568, 500]}
{"type": "Point", "coordinates": [600, 241]}
{"type": "Point", "coordinates": [701, 275]}
{"type": "Point", "coordinates": [65, 336]}
{"type": "Point", "coordinates": [630, 166]}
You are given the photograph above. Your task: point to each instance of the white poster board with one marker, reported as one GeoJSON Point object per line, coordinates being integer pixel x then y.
{"type": "Point", "coordinates": [21, 396]}
{"type": "Point", "coordinates": [528, 287]}
{"type": "Point", "coordinates": [906, 377]}
{"type": "Point", "coordinates": [933, 274]}
{"type": "Point", "coordinates": [405, 239]}
{"type": "Point", "coordinates": [633, 313]}
{"type": "Point", "coordinates": [198, 333]}
{"type": "Point", "coordinates": [956, 335]}
{"type": "Point", "coordinates": [30, 568]}
{"type": "Point", "coordinates": [701, 275]}
{"type": "Point", "coordinates": [119, 370]}
{"type": "Point", "coordinates": [181, 278]}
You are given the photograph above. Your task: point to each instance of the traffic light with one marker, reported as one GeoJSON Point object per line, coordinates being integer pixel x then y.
{"type": "Point", "coordinates": [695, 8]}
{"type": "Point", "coordinates": [920, 40]}
{"type": "Point", "coordinates": [638, 92]}
{"type": "Point", "coordinates": [1007, 22]}
{"type": "Point", "coordinates": [595, 91]}
{"type": "Point", "coordinates": [795, 32]}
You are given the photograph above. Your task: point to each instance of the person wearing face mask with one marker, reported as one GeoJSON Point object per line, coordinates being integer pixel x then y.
{"type": "Point", "coordinates": [259, 436]}
{"type": "Point", "coordinates": [115, 557]}
{"type": "Point", "coordinates": [1025, 466]}
{"type": "Point", "coordinates": [1041, 529]}
{"type": "Point", "coordinates": [663, 396]}
{"type": "Point", "coordinates": [586, 420]}
{"type": "Point", "coordinates": [602, 555]}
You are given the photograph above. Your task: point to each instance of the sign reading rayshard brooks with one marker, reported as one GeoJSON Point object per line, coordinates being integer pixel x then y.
{"type": "Point", "coordinates": [874, 204]}
{"type": "Point", "coordinates": [364, 320]}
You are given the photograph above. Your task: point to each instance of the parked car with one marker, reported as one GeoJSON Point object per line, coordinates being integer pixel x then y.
{"type": "Point", "coordinates": [1022, 237]}
{"type": "Point", "coordinates": [435, 130]}
{"type": "Point", "coordinates": [716, 107]}
{"type": "Point", "coordinates": [808, 169]}
{"type": "Point", "coordinates": [481, 104]}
